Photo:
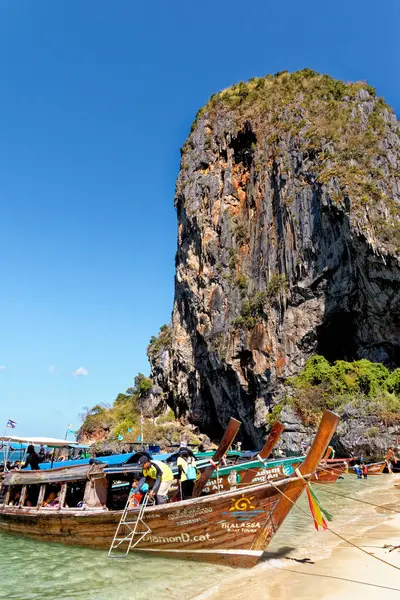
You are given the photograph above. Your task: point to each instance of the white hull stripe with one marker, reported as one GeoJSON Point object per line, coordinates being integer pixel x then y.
{"type": "Point", "coordinates": [231, 552]}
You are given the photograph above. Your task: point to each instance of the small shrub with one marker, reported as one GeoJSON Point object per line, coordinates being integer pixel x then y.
{"type": "Point", "coordinates": [275, 413]}
{"type": "Point", "coordinates": [248, 322]}
{"type": "Point", "coordinates": [240, 233]}
{"type": "Point", "coordinates": [372, 432]}
{"type": "Point", "coordinates": [162, 342]}
{"type": "Point", "coordinates": [232, 259]}
{"type": "Point", "coordinates": [393, 382]}
{"type": "Point", "coordinates": [242, 282]}
{"type": "Point", "coordinates": [276, 284]}
{"type": "Point", "coordinates": [169, 417]}
{"type": "Point", "coordinates": [370, 89]}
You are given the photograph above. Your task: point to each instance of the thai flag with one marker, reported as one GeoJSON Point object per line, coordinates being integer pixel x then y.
{"type": "Point", "coordinates": [11, 423]}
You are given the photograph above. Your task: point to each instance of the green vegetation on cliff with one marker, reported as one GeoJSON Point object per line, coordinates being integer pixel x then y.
{"type": "Point", "coordinates": [361, 384]}
{"type": "Point", "coordinates": [324, 119]}
{"type": "Point", "coordinates": [105, 421]}
{"type": "Point", "coordinates": [253, 308]}
{"type": "Point", "coordinates": [161, 342]}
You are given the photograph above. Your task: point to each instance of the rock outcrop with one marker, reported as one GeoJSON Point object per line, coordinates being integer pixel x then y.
{"type": "Point", "coordinates": [288, 203]}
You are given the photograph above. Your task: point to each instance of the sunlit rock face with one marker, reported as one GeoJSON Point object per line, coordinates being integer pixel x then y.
{"type": "Point", "coordinates": [288, 244]}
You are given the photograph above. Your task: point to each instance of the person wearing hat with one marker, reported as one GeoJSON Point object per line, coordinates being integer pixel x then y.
{"type": "Point", "coordinates": [158, 476]}
{"type": "Point", "coordinates": [187, 473]}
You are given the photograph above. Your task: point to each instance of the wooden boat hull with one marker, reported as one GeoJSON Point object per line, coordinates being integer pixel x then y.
{"type": "Point", "coordinates": [329, 473]}
{"type": "Point", "coordinates": [373, 468]}
{"type": "Point", "coordinates": [376, 468]}
{"type": "Point", "coordinates": [220, 528]}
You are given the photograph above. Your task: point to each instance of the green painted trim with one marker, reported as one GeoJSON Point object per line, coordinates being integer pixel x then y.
{"type": "Point", "coordinates": [258, 464]}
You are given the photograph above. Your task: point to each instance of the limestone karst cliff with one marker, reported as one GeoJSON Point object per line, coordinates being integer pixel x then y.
{"type": "Point", "coordinates": [288, 203]}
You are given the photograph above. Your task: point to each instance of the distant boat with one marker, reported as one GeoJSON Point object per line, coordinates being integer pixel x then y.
{"type": "Point", "coordinates": [9, 441]}
{"type": "Point", "coordinates": [375, 468]}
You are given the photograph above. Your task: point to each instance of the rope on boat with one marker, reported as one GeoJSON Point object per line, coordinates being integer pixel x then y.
{"type": "Point", "coordinates": [362, 501]}
{"type": "Point", "coordinates": [256, 469]}
{"type": "Point", "coordinates": [329, 469]}
{"type": "Point", "coordinates": [331, 530]}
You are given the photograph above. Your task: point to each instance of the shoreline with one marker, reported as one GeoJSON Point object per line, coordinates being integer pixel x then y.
{"type": "Point", "coordinates": [334, 570]}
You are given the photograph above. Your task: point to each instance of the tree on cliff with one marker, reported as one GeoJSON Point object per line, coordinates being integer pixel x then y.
{"type": "Point", "coordinates": [142, 386]}
{"type": "Point", "coordinates": [103, 420]}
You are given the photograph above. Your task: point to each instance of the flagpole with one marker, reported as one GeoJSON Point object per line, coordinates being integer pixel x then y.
{"type": "Point", "coordinates": [5, 428]}
{"type": "Point", "coordinates": [6, 454]}
{"type": "Point", "coordinates": [7, 425]}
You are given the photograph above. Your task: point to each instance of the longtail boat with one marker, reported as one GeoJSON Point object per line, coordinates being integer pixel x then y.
{"type": "Point", "coordinates": [233, 476]}
{"type": "Point", "coordinates": [328, 473]}
{"type": "Point", "coordinates": [375, 468]}
{"type": "Point", "coordinates": [232, 527]}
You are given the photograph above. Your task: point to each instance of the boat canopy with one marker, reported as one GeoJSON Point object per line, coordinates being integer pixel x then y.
{"type": "Point", "coordinates": [39, 441]}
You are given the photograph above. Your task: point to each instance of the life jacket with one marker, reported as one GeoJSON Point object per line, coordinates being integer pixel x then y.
{"type": "Point", "coordinates": [166, 473]}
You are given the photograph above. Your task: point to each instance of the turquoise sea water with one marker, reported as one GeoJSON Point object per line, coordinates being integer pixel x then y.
{"type": "Point", "coordinates": [32, 570]}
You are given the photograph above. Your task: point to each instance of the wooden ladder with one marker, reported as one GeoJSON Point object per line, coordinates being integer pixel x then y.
{"type": "Point", "coordinates": [132, 523]}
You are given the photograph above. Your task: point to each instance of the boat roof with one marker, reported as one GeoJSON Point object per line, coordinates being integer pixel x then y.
{"type": "Point", "coordinates": [113, 459]}
{"type": "Point", "coordinates": [60, 475]}
{"type": "Point", "coordinates": [38, 441]}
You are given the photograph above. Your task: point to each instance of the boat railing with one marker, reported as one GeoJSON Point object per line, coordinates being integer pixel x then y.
{"type": "Point", "coordinates": [73, 495]}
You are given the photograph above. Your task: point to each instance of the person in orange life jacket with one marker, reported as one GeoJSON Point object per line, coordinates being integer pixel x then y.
{"type": "Point", "coordinates": [187, 473]}
{"type": "Point", "coordinates": [158, 476]}
{"type": "Point", "coordinates": [364, 470]}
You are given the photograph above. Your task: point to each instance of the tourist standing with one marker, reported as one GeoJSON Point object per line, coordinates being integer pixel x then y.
{"type": "Point", "coordinates": [32, 459]}
{"type": "Point", "coordinates": [187, 473]}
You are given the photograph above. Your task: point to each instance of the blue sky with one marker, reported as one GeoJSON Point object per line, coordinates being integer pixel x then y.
{"type": "Point", "coordinates": [96, 98]}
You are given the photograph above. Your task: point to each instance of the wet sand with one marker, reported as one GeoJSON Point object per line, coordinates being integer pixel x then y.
{"type": "Point", "coordinates": [321, 566]}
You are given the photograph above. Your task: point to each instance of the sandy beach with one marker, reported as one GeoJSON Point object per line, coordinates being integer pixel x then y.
{"type": "Point", "coordinates": [323, 566]}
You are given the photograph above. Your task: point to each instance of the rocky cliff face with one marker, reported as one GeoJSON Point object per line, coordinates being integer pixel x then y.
{"type": "Point", "coordinates": [288, 244]}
